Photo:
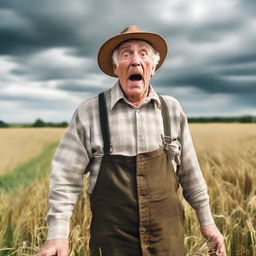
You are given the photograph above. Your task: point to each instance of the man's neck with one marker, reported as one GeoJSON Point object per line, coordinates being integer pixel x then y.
{"type": "Point", "coordinates": [136, 100]}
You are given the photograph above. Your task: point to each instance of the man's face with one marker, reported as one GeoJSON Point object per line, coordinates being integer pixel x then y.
{"type": "Point", "coordinates": [135, 68]}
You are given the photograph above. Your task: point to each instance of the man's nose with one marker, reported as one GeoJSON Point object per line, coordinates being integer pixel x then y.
{"type": "Point", "coordinates": [135, 60]}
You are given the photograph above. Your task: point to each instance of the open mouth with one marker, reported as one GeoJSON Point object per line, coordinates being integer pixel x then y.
{"type": "Point", "coordinates": [135, 77]}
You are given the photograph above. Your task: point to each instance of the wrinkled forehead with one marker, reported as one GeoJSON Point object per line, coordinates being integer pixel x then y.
{"type": "Point", "coordinates": [140, 43]}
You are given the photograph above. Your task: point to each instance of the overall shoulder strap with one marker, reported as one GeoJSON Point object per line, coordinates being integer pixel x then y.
{"type": "Point", "coordinates": [104, 123]}
{"type": "Point", "coordinates": [166, 117]}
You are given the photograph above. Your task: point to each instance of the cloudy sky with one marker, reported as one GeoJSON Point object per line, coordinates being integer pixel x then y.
{"type": "Point", "coordinates": [48, 54]}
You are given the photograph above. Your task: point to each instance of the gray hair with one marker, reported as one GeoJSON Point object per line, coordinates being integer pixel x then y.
{"type": "Point", "coordinates": [153, 54]}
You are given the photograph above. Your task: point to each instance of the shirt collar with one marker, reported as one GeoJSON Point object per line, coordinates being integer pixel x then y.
{"type": "Point", "coordinates": [117, 94]}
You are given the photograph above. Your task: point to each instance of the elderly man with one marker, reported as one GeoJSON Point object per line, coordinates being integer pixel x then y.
{"type": "Point", "coordinates": [137, 147]}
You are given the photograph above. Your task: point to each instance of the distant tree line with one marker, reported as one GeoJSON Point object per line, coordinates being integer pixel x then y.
{"type": "Point", "coordinates": [3, 124]}
{"type": "Point", "coordinates": [38, 123]}
{"type": "Point", "coordinates": [242, 119]}
{"type": "Point", "coordinates": [41, 123]}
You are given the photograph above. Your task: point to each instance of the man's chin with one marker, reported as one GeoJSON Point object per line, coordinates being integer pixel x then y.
{"type": "Point", "coordinates": [135, 84]}
{"type": "Point", "coordinates": [137, 92]}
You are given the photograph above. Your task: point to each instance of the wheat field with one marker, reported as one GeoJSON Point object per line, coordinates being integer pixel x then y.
{"type": "Point", "coordinates": [18, 145]}
{"type": "Point", "coordinates": [227, 156]}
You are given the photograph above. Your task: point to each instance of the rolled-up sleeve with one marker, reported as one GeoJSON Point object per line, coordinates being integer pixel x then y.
{"type": "Point", "coordinates": [68, 166]}
{"type": "Point", "coordinates": [191, 178]}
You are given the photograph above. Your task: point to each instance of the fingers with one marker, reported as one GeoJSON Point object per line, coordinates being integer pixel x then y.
{"type": "Point", "coordinates": [52, 253]}
{"type": "Point", "coordinates": [212, 233]}
{"type": "Point", "coordinates": [46, 252]}
{"type": "Point", "coordinates": [56, 247]}
{"type": "Point", "coordinates": [220, 250]}
{"type": "Point", "coordinates": [62, 252]}
{"type": "Point", "coordinates": [219, 247]}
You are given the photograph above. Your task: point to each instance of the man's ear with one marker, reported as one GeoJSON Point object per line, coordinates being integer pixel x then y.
{"type": "Point", "coordinates": [114, 69]}
{"type": "Point", "coordinates": [153, 71]}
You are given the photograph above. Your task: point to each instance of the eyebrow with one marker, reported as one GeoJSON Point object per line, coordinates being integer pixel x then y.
{"type": "Point", "coordinates": [143, 44]}
{"type": "Point", "coordinates": [121, 47]}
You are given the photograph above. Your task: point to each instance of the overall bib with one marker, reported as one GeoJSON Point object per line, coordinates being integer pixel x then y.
{"type": "Point", "coordinates": [135, 206]}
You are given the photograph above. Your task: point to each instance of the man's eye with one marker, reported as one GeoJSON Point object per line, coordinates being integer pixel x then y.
{"type": "Point", "coordinates": [126, 54]}
{"type": "Point", "coordinates": [143, 54]}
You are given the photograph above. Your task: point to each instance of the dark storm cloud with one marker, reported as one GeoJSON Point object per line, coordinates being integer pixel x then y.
{"type": "Point", "coordinates": [211, 82]}
{"type": "Point", "coordinates": [75, 86]}
{"type": "Point", "coordinates": [46, 24]}
{"type": "Point", "coordinates": [48, 69]}
{"type": "Point", "coordinates": [35, 101]}
{"type": "Point", "coordinates": [211, 46]}
{"type": "Point", "coordinates": [10, 97]}
{"type": "Point", "coordinates": [75, 24]}
{"type": "Point", "coordinates": [248, 57]}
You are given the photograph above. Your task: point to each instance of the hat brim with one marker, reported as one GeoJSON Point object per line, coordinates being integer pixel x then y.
{"type": "Point", "coordinates": [106, 50]}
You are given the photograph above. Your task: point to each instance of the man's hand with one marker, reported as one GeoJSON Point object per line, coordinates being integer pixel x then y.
{"type": "Point", "coordinates": [212, 233]}
{"type": "Point", "coordinates": [58, 247]}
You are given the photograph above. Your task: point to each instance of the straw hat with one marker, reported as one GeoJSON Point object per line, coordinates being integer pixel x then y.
{"type": "Point", "coordinates": [129, 33]}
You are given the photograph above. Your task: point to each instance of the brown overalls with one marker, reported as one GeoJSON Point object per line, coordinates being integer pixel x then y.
{"type": "Point", "coordinates": [135, 207]}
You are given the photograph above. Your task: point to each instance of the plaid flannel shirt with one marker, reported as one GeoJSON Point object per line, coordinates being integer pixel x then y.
{"type": "Point", "coordinates": [133, 130]}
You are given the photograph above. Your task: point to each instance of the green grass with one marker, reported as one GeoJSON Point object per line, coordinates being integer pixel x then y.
{"type": "Point", "coordinates": [22, 175]}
